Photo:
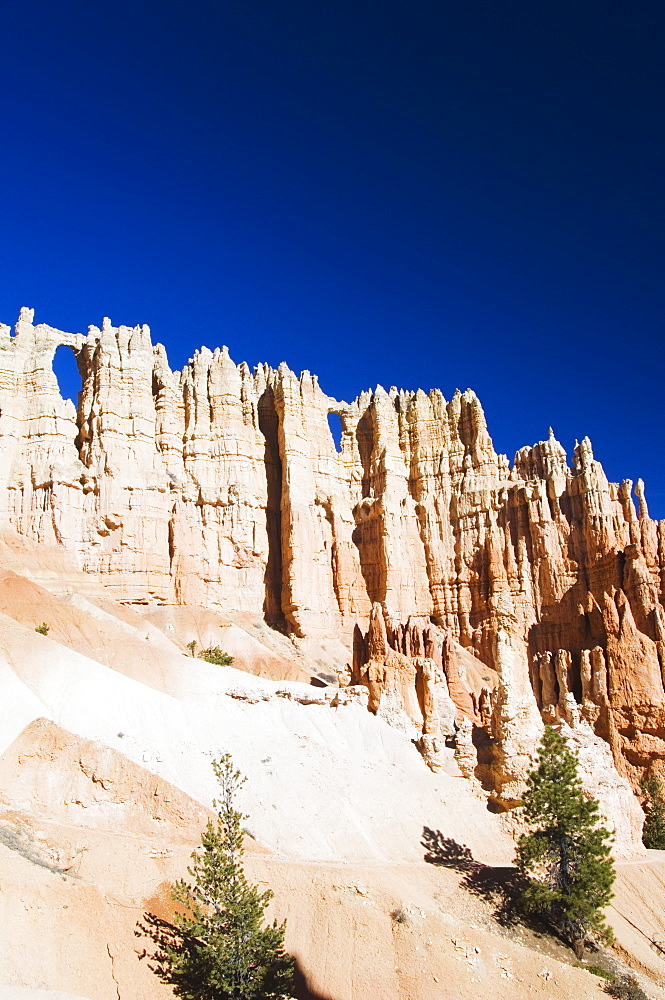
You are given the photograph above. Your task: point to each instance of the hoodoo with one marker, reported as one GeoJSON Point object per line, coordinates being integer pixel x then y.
{"type": "Point", "coordinates": [223, 487]}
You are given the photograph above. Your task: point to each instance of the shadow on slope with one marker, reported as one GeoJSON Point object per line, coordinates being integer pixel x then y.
{"type": "Point", "coordinates": [500, 887]}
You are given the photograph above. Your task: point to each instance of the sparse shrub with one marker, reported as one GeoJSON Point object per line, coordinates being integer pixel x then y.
{"type": "Point", "coordinates": [191, 646]}
{"type": "Point", "coordinates": [213, 654]}
{"type": "Point", "coordinates": [43, 629]}
{"type": "Point", "coordinates": [598, 970]}
{"type": "Point", "coordinates": [653, 835]}
{"type": "Point", "coordinates": [400, 915]}
{"type": "Point", "coordinates": [626, 988]}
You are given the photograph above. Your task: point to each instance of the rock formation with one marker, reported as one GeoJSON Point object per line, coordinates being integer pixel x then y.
{"type": "Point", "coordinates": [418, 676]}
{"type": "Point", "coordinates": [222, 487]}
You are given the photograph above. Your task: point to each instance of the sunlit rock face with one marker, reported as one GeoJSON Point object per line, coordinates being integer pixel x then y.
{"type": "Point", "coordinates": [222, 486]}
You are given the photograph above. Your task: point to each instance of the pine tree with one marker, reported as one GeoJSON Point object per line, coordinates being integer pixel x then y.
{"type": "Point", "coordinates": [653, 835]}
{"type": "Point", "coordinates": [216, 948]}
{"type": "Point", "coordinates": [566, 858]}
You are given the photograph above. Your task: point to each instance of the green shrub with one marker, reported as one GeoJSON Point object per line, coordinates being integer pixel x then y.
{"type": "Point", "coordinates": [597, 970]}
{"type": "Point", "coordinates": [653, 835]}
{"type": "Point", "coordinates": [43, 629]}
{"type": "Point", "coordinates": [213, 654]}
{"type": "Point", "coordinates": [626, 988]}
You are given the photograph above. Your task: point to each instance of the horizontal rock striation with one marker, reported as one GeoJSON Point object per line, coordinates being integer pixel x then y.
{"type": "Point", "coordinates": [218, 485]}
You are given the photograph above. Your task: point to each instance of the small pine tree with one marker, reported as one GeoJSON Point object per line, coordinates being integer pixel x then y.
{"type": "Point", "coordinates": [216, 948]}
{"type": "Point", "coordinates": [653, 835]}
{"type": "Point", "coordinates": [566, 858]}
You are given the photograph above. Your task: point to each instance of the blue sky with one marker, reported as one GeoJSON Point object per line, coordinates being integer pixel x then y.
{"type": "Point", "coordinates": [417, 194]}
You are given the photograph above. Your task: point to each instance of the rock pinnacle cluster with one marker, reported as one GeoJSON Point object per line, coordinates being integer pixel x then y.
{"type": "Point", "coordinates": [477, 599]}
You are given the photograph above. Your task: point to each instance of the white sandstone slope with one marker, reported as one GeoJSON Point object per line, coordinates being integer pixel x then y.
{"type": "Point", "coordinates": [105, 781]}
{"type": "Point", "coordinates": [326, 782]}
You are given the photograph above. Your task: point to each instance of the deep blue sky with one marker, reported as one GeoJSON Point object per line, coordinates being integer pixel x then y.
{"type": "Point", "coordinates": [420, 194]}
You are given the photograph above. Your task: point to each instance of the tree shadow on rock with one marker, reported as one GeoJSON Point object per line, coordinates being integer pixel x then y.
{"type": "Point", "coordinates": [165, 935]}
{"type": "Point", "coordinates": [302, 989]}
{"type": "Point", "coordinates": [501, 887]}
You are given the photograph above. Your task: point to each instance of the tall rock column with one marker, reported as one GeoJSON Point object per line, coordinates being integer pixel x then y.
{"type": "Point", "coordinates": [129, 535]}
{"type": "Point", "coordinates": [516, 722]}
{"type": "Point", "coordinates": [392, 554]}
{"type": "Point", "coordinates": [321, 583]}
{"type": "Point", "coordinates": [218, 527]}
{"type": "Point", "coordinates": [41, 488]}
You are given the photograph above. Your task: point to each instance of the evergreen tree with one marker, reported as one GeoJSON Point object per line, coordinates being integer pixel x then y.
{"type": "Point", "coordinates": [566, 857]}
{"type": "Point", "coordinates": [654, 806]}
{"type": "Point", "coordinates": [217, 947]}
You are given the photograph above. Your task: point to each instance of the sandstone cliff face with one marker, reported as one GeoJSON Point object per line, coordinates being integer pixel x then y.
{"type": "Point", "coordinates": [221, 486]}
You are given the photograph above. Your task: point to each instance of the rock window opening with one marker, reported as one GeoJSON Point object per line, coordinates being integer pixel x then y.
{"type": "Point", "coordinates": [335, 425]}
{"type": "Point", "coordinates": [66, 372]}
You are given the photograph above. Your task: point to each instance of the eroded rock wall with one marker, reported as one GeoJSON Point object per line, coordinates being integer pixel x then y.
{"type": "Point", "coordinates": [222, 486]}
